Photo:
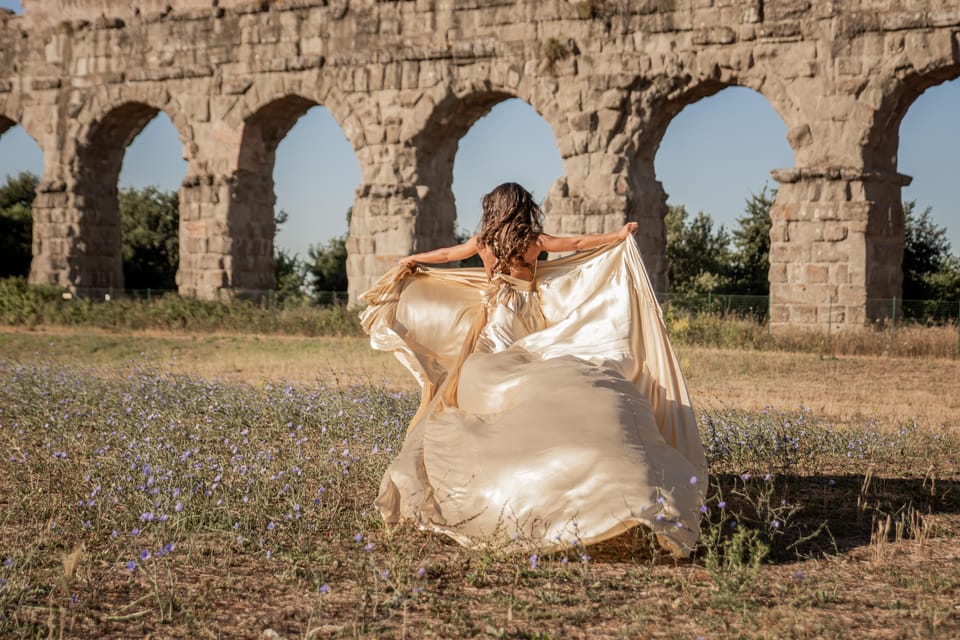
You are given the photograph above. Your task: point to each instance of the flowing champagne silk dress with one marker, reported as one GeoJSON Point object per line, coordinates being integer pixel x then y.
{"type": "Point", "coordinates": [553, 412]}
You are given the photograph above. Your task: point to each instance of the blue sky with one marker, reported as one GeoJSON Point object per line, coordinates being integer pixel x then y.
{"type": "Point", "coordinates": [701, 165]}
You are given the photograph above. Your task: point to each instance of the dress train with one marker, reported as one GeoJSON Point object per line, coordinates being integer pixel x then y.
{"type": "Point", "coordinates": [553, 412]}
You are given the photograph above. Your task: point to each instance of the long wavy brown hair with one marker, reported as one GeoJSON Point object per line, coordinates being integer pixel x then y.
{"type": "Point", "coordinates": [511, 221]}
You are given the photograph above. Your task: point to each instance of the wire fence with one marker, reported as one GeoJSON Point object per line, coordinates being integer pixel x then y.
{"type": "Point", "coordinates": [265, 298]}
{"type": "Point", "coordinates": [740, 306]}
{"type": "Point", "coordinates": [888, 311]}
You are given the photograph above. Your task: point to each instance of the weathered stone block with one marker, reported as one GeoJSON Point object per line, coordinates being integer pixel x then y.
{"type": "Point", "coordinates": [803, 314]}
{"type": "Point", "coordinates": [714, 35]}
{"type": "Point", "coordinates": [782, 252]}
{"type": "Point", "coordinates": [816, 273]}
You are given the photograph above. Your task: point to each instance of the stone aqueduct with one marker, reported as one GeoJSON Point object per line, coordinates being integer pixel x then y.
{"type": "Point", "coordinates": [406, 79]}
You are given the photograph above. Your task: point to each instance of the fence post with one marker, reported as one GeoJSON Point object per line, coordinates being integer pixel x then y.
{"type": "Point", "coordinates": [830, 326]}
{"type": "Point", "coordinates": [893, 325]}
{"type": "Point", "coordinates": [958, 330]}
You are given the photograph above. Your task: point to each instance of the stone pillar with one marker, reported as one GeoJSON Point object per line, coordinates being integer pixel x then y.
{"type": "Point", "coordinates": [608, 159]}
{"type": "Point", "coordinates": [76, 230]}
{"type": "Point", "coordinates": [205, 246]}
{"type": "Point", "coordinates": [836, 247]}
{"type": "Point", "coordinates": [227, 222]}
{"type": "Point", "coordinates": [591, 197]}
{"type": "Point", "coordinates": [226, 236]}
{"type": "Point", "coordinates": [648, 206]}
{"type": "Point", "coordinates": [76, 237]}
{"type": "Point", "coordinates": [404, 205]}
{"type": "Point", "coordinates": [54, 227]}
{"type": "Point", "coordinates": [569, 212]}
{"type": "Point", "coordinates": [250, 230]}
{"type": "Point", "coordinates": [382, 230]}
{"type": "Point", "coordinates": [392, 221]}
{"type": "Point", "coordinates": [588, 200]}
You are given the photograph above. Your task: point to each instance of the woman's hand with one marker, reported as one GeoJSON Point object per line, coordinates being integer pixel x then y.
{"type": "Point", "coordinates": [628, 229]}
{"type": "Point", "coordinates": [407, 262]}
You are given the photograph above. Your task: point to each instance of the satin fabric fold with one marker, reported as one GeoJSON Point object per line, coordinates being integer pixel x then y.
{"type": "Point", "coordinates": [553, 413]}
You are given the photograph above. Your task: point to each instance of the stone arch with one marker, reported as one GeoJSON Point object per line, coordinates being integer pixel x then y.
{"type": "Point", "coordinates": [445, 120]}
{"type": "Point", "coordinates": [98, 158]}
{"type": "Point", "coordinates": [21, 248]}
{"type": "Point", "coordinates": [666, 109]}
{"type": "Point", "coordinates": [31, 120]}
{"type": "Point", "coordinates": [654, 108]}
{"type": "Point", "coordinates": [716, 157]}
{"type": "Point", "coordinates": [898, 94]}
{"type": "Point", "coordinates": [250, 218]}
{"type": "Point", "coordinates": [436, 148]}
{"type": "Point", "coordinates": [264, 128]}
{"type": "Point", "coordinates": [886, 221]}
{"type": "Point", "coordinates": [441, 116]}
{"type": "Point", "coordinates": [511, 143]}
{"type": "Point", "coordinates": [472, 90]}
{"type": "Point", "coordinates": [127, 112]}
{"type": "Point", "coordinates": [269, 105]}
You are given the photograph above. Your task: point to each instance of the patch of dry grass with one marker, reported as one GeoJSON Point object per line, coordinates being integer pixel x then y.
{"type": "Point", "coordinates": [237, 495]}
{"type": "Point", "coordinates": [838, 387]}
{"type": "Point", "coordinates": [842, 387]}
{"type": "Point", "coordinates": [247, 358]}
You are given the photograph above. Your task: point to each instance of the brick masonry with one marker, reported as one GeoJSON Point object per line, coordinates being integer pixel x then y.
{"type": "Point", "coordinates": [407, 79]}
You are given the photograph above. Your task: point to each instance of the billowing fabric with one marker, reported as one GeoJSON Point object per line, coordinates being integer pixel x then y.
{"type": "Point", "coordinates": [553, 412]}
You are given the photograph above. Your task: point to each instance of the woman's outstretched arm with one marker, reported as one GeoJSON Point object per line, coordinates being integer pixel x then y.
{"type": "Point", "coordinates": [446, 254]}
{"type": "Point", "coordinates": [587, 241]}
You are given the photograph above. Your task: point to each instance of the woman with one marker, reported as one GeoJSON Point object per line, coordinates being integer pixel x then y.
{"type": "Point", "coordinates": [553, 412]}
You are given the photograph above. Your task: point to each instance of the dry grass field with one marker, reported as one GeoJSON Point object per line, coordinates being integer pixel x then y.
{"type": "Point", "coordinates": [166, 485]}
{"type": "Point", "coordinates": [841, 388]}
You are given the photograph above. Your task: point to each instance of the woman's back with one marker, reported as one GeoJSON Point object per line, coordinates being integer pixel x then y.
{"type": "Point", "coordinates": [524, 270]}
{"type": "Point", "coordinates": [510, 238]}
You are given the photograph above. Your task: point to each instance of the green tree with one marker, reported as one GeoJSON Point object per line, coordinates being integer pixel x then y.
{"type": "Point", "coordinates": [149, 222]}
{"type": "Point", "coordinates": [328, 267]}
{"type": "Point", "coordinates": [291, 276]}
{"type": "Point", "coordinates": [930, 270]}
{"type": "Point", "coordinates": [16, 224]}
{"type": "Point", "coordinates": [699, 256]}
{"type": "Point", "coordinates": [945, 284]}
{"type": "Point", "coordinates": [751, 241]}
{"type": "Point", "coordinates": [290, 271]}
